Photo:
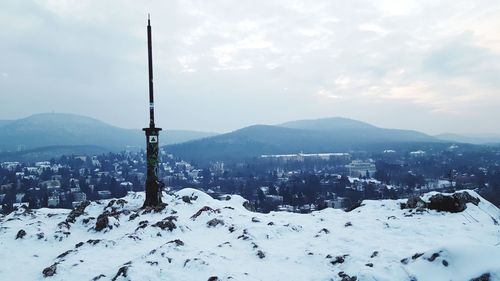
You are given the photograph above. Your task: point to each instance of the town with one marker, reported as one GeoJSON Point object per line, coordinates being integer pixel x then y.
{"type": "Point", "coordinates": [293, 182]}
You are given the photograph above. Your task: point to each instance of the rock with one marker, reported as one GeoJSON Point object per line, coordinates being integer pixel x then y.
{"type": "Point", "coordinates": [249, 206]}
{"type": "Point", "coordinates": [347, 224]}
{"type": "Point", "coordinates": [64, 224]}
{"type": "Point", "coordinates": [483, 277]}
{"type": "Point", "coordinates": [87, 220]}
{"type": "Point", "coordinates": [369, 264]}
{"type": "Point", "coordinates": [142, 224]}
{"type": "Point", "coordinates": [354, 206]}
{"type": "Point", "coordinates": [375, 253]}
{"type": "Point", "coordinates": [455, 203]}
{"type": "Point", "coordinates": [93, 242]}
{"type": "Point", "coordinates": [155, 209]}
{"type": "Point", "coordinates": [64, 254]}
{"type": "Point", "coordinates": [416, 256]}
{"type": "Point", "coordinates": [261, 254]}
{"type": "Point", "coordinates": [121, 272]}
{"type": "Point", "coordinates": [214, 222]}
{"type": "Point", "coordinates": [433, 257]}
{"type": "Point", "coordinates": [338, 259]}
{"type": "Point", "coordinates": [133, 216]}
{"type": "Point", "coordinates": [177, 242]}
{"type": "Point", "coordinates": [98, 277]}
{"type": "Point", "coordinates": [213, 278]}
{"type": "Point", "coordinates": [255, 219]}
{"type": "Point", "coordinates": [121, 202]}
{"type": "Point", "coordinates": [77, 211]}
{"type": "Point", "coordinates": [186, 199]}
{"type": "Point", "coordinates": [346, 277]}
{"type": "Point", "coordinates": [20, 234]}
{"type": "Point", "coordinates": [102, 222]}
{"type": "Point", "coordinates": [445, 263]}
{"type": "Point", "coordinates": [167, 223]}
{"type": "Point", "coordinates": [203, 209]}
{"type": "Point", "coordinates": [412, 203]}
{"type": "Point", "coordinates": [49, 271]}
{"type": "Point", "coordinates": [324, 230]}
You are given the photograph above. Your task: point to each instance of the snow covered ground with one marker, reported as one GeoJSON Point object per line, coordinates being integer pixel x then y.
{"type": "Point", "coordinates": [198, 238]}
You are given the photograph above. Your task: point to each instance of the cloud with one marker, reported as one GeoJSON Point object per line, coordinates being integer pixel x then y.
{"type": "Point", "coordinates": [220, 65]}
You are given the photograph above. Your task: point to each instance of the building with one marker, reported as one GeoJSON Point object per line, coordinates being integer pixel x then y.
{"type": "Point", "coordinates": [53, 201]}
{"type": "Point", "coordinates": [301, 157]}
{"type": "Point", "coordinates": [359, 168]}
{"type": "Point", "coordinates": [104, 194]}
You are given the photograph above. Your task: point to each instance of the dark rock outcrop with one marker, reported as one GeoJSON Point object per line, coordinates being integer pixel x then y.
{"type": "Point", "coordinates": [176, 242]}
{"type": "Point", "coordinates": [455, 203]}
{"type": "Point", "coordinates": [483, 277]}
{"type": "Point", "coordinates": [354, 206]}
{"type": "Point", "coordinates": [77, 211]}
{"type": "Point", "coordinates": [346, 277]}
{"type": "Point", "coordinates": [215, 222]}
{"type": "Point", "coordinates": [102, 222]}
{"type": "Point", "coordinates": [50, 271]}
{"type": "Point", "coordinates": [261, 254]}
{"type": "Point", "coordinates": [121, 272]}
{"type": "Point", "coordinates": [167, 223]}
{"type": "Point", "coordinates": [204, 209]}
{"type": "Point", "coordinates": [20, 234]}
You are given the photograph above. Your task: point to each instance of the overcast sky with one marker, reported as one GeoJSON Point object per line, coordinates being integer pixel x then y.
{"type": "Point", "coordinates": [427, 65]}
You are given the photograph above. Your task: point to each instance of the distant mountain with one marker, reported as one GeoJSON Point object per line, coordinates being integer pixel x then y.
{"type": "Point", "coordinates": [48, 152]}
{"type": "Point", "coordinates": [325, 124]}
{"type": "Point", "coordinates": [4, 122]}
{"type": "Point", "coordinates": [473, 139]}
{"type": "Point", "coordinates": [180, 136]}
{"type": "Point", "coordinates": [58, 129]}
{"type": "Point", "coordinates": [323, 135]}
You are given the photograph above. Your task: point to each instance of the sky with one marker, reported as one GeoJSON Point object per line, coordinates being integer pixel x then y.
{"type": "Point", "coordinates": [219, 65]}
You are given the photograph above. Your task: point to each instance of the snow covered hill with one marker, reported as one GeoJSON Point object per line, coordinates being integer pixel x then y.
{"type": "Point", "coordinates": [196, 237]}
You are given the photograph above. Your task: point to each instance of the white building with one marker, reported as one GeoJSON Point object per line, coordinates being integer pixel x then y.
{"type": "Point", "coordinates": [53, 201]}
{"type": "Point", "coordinates": [359, 168]}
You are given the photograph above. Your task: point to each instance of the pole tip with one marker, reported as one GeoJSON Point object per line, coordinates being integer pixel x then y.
{"type": "Point", "coordinates": [148, 19]}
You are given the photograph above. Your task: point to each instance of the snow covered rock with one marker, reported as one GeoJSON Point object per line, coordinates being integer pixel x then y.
{"type": "Point", "coordinates": [194, 237]}
{"type": "Point", "coordinates": [453, 203]}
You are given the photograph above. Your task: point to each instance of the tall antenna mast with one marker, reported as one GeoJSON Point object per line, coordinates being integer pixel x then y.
{"type": "Point", "coordinates": [153, 185]}
{"type": "Point", "coordinates": [150, 71]}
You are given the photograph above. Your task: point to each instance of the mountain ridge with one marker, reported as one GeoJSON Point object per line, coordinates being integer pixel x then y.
{"type": "Point", "coordinates": [472, 139]}
{"type": "Point", "coordinates": [65, 129]}
{"type": "Point", "coordinates": [297, 136]}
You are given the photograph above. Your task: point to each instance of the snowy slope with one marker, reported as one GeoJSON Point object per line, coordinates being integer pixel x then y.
{"type": "Point", "coordinates": [198, 238]}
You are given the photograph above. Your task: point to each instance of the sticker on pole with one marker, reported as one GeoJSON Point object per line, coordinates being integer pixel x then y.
{"type": "Point", "coordinates": [153, 139]}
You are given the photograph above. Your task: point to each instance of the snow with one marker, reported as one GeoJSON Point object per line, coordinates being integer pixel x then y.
{"type": "Point", "coordinates": [243, 245]}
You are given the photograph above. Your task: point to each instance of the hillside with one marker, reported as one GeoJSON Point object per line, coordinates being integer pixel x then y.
{"type": "Point", "coordinates": [4, 122]}
{"type": "Point", "coordinates": [48, 152]}
{"type": "Point", "coordinates": [57, 129]}
{"type": "Point", "coordinates": [324, 124]}
{"type": "Point", "coordinates": [198, 238]}
{"type": "Point", "coordinates": [310, 136]}
{"type": "Point", "coordinates": [473, 139]}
